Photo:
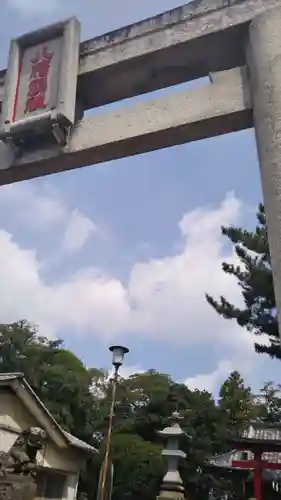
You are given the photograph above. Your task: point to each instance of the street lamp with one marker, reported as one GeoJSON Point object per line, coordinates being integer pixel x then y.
{"type": "Point", "coordinates": [118, 353]}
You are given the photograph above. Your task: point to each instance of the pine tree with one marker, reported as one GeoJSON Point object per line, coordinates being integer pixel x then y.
{"type": "Point", "coordinates": [254, 276]}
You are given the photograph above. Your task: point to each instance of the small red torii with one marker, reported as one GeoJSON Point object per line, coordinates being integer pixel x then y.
{"type": "Point", "coordinates": [258, 445]}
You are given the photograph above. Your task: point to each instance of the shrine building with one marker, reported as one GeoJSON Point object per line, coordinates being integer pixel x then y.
{"type": "Point", "coordinates": [63, 455]}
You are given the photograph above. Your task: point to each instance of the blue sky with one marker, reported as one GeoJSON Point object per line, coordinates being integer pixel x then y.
{"type": "Point", "coordinates": [124, 251]}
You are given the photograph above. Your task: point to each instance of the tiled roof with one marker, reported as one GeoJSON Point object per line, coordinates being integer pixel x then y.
{"type": "Point", "coordinates": [10, 376]}
{"type": "Point", "coordinates": [78, 443]}
{"type": "Point", "coordinates": [263, 431]}
{"type": "Point", "coordinates": [225, 460]}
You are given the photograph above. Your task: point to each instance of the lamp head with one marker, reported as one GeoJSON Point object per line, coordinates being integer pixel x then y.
{"type": "Point", "coordinates": [118, 353]}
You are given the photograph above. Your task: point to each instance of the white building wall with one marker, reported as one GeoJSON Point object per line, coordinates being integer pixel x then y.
{"type": "Point", "coordinates": [14, 418]}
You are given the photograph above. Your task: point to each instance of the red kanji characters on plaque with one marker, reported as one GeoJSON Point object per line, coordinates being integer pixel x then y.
{"type": "Point", "coordinates": [38, 81]}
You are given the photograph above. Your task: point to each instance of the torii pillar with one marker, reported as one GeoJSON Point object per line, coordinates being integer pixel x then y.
{"type": "Point", "coordinates": [264, 63]}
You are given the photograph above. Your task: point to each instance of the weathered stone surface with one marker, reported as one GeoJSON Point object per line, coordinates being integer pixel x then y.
{"type": "Point", "coordinates": [171, 495]}
{"type": "Point", "coordinates": [264, 58]}
{"type": "Point", "coordinates": [180, 117]}
{"type": "Point", "coordinates": [176, 46]}
{"type": "Point", "coordinates": [18, 466]}
{"type": "Point", "coordinates": [16, 487]}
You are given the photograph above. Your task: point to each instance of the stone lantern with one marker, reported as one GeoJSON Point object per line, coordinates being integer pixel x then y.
{"type": "Point", "coordinates": [172, 485]}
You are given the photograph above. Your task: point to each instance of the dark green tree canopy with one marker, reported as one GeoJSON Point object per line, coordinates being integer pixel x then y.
{"type": "Point", "coordinates": [254, 276]}
{"type": "Point", "coordinates": [79, 398]}
{"type": "Point", "coordinates": [51, 370]}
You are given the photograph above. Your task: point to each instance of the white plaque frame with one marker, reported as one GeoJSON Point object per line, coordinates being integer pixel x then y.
{"type": "Point", "coordinates": [63, 112]}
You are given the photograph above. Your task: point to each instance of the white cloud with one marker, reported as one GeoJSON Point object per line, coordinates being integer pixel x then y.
{"type": "Point", "coordinates": [33, 207]}
{"type": "Point", "coordinates": [167, 296]}
{"type": "Point", "coordinates": [164, 297]}
{"type": "Point", "coordinates": [34, 7]}
{"type": "Point", "coordinates": [40, 210]}
{"type": "Point", "coordinates": [125, 371]}
{"type": "Point", "coordinates": [242, 358]}
{"type": "Point", "coordinates": [78, 231]}
{"type": "Point", "coordinates": [211, 381]}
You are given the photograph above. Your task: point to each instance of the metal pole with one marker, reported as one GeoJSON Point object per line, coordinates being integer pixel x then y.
{"type": "Point", "coordinates": [108, 438]}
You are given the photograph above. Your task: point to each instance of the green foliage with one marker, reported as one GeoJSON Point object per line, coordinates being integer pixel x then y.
{"type": "Point", "coordinates": [57, 376]}
{"type": "Point", "coordinates": [236, 402]}
{"type": "Point", "coordinates": [254, 276]}
{"type": "Point", "coordinates": [138, 467]}
{"type": "Point", "coordinates": [270, 410]}
{"type": "Point", "coordinates": [79, 398]}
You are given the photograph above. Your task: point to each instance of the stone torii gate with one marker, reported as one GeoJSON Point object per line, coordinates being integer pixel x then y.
{"type": "Point", "coordinates": [236, 42]}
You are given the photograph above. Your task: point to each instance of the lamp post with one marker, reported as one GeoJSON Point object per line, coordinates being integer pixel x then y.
{"type": "Point", "coordinates": [118, 353]}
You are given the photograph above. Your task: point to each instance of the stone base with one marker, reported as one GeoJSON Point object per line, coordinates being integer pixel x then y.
{"type": "Point", "coordinates": [171, 495]}
{"type": "Point", "coordinates": [17, 487]}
